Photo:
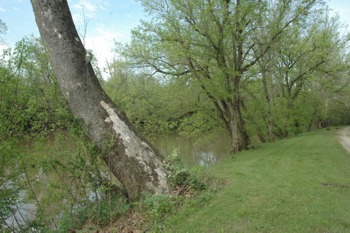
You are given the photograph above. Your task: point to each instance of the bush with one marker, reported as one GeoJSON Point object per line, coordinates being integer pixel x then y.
{"type": "Point", "coordinates": [97, 213]}
{"type": "Point", "coordinates": [180, 177]}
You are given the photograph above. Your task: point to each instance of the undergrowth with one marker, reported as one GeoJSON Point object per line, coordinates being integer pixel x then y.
{"type": "Point", "coordinates": [62, 176]}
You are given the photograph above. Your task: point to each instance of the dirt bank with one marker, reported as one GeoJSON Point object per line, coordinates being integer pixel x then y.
{"type": "Point", "coordinates": [344, 138]}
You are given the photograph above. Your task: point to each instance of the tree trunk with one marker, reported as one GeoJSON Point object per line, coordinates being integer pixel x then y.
{"type": "Point", "coordinates": [134, 162]}
{"type": "Point", "coordinates": [236, 125]}
{"type": "Point", "coordinates": [231, 115]}
{"type": "Point", "coordinates": [268, 106]}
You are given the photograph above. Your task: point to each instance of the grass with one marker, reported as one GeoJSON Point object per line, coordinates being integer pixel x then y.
{"type": "Point", "coordinates": [300, 184]}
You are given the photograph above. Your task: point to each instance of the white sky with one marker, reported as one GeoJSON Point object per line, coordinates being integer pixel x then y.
{"type": "Point", "coordinates": [108, 21]}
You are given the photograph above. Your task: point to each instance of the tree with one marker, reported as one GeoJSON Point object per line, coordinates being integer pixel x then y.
{"type": "Point", "coordinates": [134, 161]}
{"type": "Point", "coordinates": [216, 43]}
{"type": "Point", "coordinates": [310, 58]}
{"type": "Point", "coordinates": [29, 94]}
{"type": "Point", "coordinates": [3, 29]}
{"type": "Point", "coordinates": [158, 105]}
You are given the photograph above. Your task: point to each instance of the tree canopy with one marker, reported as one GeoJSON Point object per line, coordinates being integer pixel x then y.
{"type": "Point", "coordinates": [224, 46]}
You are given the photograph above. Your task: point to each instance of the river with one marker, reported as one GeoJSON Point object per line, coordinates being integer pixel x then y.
{"type": "Point", "coordinates": [193, 151]}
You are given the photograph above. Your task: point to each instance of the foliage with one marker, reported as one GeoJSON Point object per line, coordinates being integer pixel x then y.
{"type": "Point", "coordinates": [30, 107]}
{"type": "Point", "coordinates": [182, 179]}
{"type": "Point", "coordinates": [284, 66]}
{"type": "Point", "coordinates": [98, 213]}
{"type": "Point", "coordinates": [10, 187]}
{"type": "Point", "coordinates": [223, 47]}
{"type": "Point", "coordinates": [158, 205]}
{"type": "Point", "coordinates": [158, 106]}
{"type": "Point", "coordinates": [30, 100]}
{"type": "Point", "coordinates": [192, 188]}
{"type": "Point", "coordinates": [306, 64]}
{"type": "Point", "coordinates": [8, 200]}
{"type": "Point", "coordinates": [172, 76]}
{"type": "Point", "coordinates": [61, 174]}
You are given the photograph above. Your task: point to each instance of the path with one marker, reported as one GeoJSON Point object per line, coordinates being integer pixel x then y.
{"type": "Point", "coordinates": [344, 138]}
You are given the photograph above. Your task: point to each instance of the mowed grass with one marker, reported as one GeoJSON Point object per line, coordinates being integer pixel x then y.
{"type": "Point", "coordinates": [301, 184]}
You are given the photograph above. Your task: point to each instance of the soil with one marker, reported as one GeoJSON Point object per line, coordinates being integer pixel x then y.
{"type": "Point", "coordinates": [344, 138]}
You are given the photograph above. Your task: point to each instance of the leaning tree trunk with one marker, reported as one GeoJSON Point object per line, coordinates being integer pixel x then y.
{"type": "Point", "coordinates": [134, 162]}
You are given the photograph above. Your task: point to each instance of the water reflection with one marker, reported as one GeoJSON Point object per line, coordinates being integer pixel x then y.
{"type": "Point", "coordinates": [204, 158]}
{"type": "Point", "coordinates": [194, 151]}
{"type": "Point", "coordinates": [20, 211]}
{"type": "Point", "coordinates": [24, 212]}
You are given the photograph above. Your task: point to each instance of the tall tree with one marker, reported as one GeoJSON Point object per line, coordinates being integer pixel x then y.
{"type": "Point", "coordinates": [215, 42]}
{"type": "Point", "coordinates": [134, 162]}
{"type": "Point", "coordinates": [309, 57]}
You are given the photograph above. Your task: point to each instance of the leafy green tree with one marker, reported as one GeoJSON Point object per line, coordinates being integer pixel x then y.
{"type": "Point", "coordinates": [159, 105]}
{"type": "Point", "coordinates": [300, 76]}
{"type": "Point", "coordinates": [30, 100]}
{"type": "Point", "coordinates": [310, 57]}
{"type": "Point", "coordinates": [215, 43]}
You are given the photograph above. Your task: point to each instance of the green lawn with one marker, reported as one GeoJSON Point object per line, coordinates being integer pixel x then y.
{"type": "Point", "coordinates": [301, 184]}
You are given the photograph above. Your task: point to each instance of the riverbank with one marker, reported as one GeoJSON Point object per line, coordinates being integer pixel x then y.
{"type": "Point", "coordinates": [299, 184]}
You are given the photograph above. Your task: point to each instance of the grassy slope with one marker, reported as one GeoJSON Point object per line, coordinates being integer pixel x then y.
{"type": "Point", "coordinates": [300, 184]}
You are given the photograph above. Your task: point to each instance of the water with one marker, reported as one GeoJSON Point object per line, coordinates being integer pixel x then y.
{"type": "Point", "coordinates": [25, 211]}
{"type": "Point", "coordinates": [193, 151]}
{"type": "Point", "coordinates": [22, 211]}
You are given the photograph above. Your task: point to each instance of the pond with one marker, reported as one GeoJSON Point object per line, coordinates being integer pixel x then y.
{"type": "Point", "coordinates": [194, 151]}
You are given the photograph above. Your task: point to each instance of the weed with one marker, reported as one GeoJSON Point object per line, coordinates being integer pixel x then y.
{"type": "Point", "coordinates": [182, 179]}
{"type": "Point", "coordinates": [98, 213]}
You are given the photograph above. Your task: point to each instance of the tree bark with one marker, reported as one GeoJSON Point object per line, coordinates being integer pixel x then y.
{"type": "Point", "coordinates": [238, 133]}
{"type": "Point", "coordinates": [133, 160]}
{"type": "Point", "coordinates": [268, 105]}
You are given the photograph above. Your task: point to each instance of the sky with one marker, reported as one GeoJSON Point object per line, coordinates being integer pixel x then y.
{"type": "Point", "coordinates": [107, 21]}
